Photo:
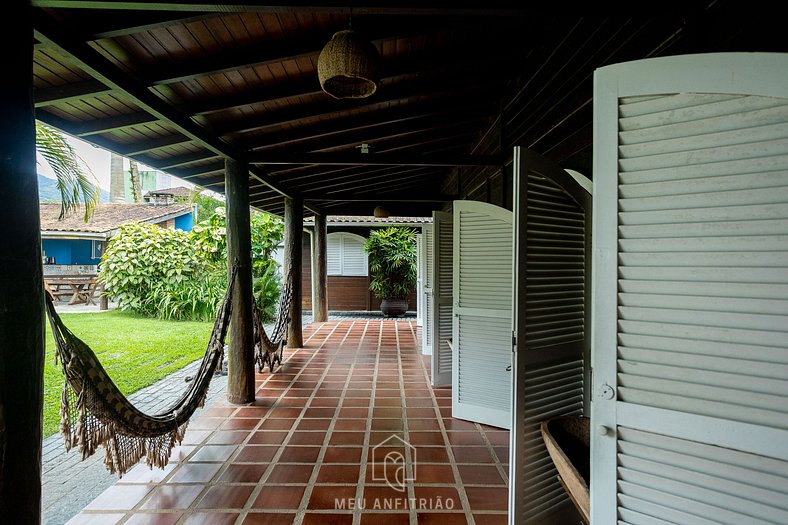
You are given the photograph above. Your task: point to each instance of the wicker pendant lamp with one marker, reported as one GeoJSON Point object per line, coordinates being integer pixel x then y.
{"type": "Point", "coordinates": [348, 66]}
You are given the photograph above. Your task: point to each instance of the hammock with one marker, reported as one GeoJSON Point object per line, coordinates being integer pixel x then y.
{"type": "Point", "coordinates": [94, 412]}
{"type": "Point", "coordinates": [269, 350]}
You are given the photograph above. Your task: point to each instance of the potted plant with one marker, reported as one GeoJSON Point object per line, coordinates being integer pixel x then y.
{"type": "Point", "coordinates": [392, 263]}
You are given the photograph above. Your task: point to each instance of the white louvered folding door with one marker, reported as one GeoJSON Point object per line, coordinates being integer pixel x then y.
{"type": "Point", "coordinates": [420, 279]}
{"type": "Point", "coordinates": [482, 327]}
{"type": "Point", "coordinates": [552, 220]}
{"type": "Point", "coordinates": [441, 291]}
{"type": "Point", "coordinates": [690, 330]}
{"type": "Point", "coordinates": [428, 301]}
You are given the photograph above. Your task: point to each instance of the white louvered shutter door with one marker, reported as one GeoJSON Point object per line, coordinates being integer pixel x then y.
{"type": "Point", "coordinates": [334, 254]}
{"type": "Point", "coordinates": [482, 327]}
{"type": "Point", "coordinates": [691, 291]}
{"type": "Point", "coordinates": [420, 279]}
{"type": "Point", "coordinates": [552, 220]}
{"type": "Point", "coordinates": [429, 261]}
{"type": "Point", "coordinates": [354, 258]}
{"type": "Point", "coordinates": [441, 291]}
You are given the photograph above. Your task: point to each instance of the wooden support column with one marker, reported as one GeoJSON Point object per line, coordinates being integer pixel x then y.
{"type": "Point", "coordinates": [21, 281]}
{"type": "Point", "coordinates": [294, 225]}
{"type": "Point", "coordinates": [240, 359]}
{"type": "Point", "coordinates": [320, 270]}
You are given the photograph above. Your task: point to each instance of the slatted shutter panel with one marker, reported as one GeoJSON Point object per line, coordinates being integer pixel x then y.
{"type": "Point", "coordinates": [482, 328]}
{"type": "Point", "coordinates": [552, 215]}
{"type": "Point", "coordinates": [334, 254]}
{"type": "Point", "coordinates": [429, 261]}
{"type": "Point", "coordinates": [420, 279]}
{"type": "Point", "coordinates": [695, 205]}
{"type": "Point", "coordinates": [354, 258]}
{"type": "Point", "coordinates": [442, 290]}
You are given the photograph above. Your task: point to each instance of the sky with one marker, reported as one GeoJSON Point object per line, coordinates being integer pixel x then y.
{"type": "Point", "coordinates": [97, 160]}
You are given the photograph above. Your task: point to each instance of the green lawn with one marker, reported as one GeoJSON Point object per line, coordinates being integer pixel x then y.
{"type": "Point", "coordinates": [136, 352]}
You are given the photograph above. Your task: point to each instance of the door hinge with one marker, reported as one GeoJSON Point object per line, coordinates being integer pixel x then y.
{"type": "Point", "coordinates": [514, 340]}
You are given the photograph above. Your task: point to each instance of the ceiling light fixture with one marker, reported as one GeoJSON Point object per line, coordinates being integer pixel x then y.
{"type": "Point", "coordinates": [349, 66]}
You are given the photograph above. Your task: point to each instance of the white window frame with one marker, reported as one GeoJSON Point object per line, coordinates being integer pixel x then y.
{"type": "Point", "coordinates": [343, 255]}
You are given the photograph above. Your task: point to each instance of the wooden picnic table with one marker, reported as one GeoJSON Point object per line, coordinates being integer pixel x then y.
{"type": "Point", "coordinates": [77, 288]}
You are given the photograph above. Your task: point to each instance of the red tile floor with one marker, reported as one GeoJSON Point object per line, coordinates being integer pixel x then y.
{"type": "Point", "coordinates": [348, 431]}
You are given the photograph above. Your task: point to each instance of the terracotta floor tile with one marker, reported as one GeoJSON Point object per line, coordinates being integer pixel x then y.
{"type": "Point", "coordinates": [85, 518]}
{"type": "Point", "coordinates": [299, 454]}
{"type": "Point", "coordinates": [327, 412]}
{"type": "Point", "coordinates": [241, 424]}
{"type": "Point", "coordinates": [277, 424]}
{"type": "Point", "coordinates": [290, 474]}
{"type": "Point", "coordinates": [426, 473]}
{"type": "Point", "coordinates": [338, 474]}
{"type": "Point", "coordinates": [145, 474]}
{"type": "Point", "coordinates": [284, 412]}
{"type": "Point", "coordinates": [502, 453]}
{"type": "Point", "coordinates": [225, 497]}
{"type": "Point", "coordinates": [325, 496]}
{"type": "Point", "coordinates": [350, 424]}
{"type": "Point", "coordinates": [498, 438]}
{"type": "Point", "coordinates": [355, 402]}
{"type": "Point", "coordinates": [195, 437]}
{"type": "Point", "coordinates": [472, 455]}
{"type": "Point", "coordinates": [488, 498]}
{"type": "Point", "coordinates": [425, 438]}
{"type": "Point", "coordinates": [424, 424]}
{"type": "Point", "coordinates": [387, 518]}
{"type": "Point", "coordinates": [379, 497]}
{"type": "Point", "coordinates": [327, 519]}
{"type": "Point", "coordinates": [307, 438]}
{"type": "Point", "coordinates": [278, 497]}
{"type": "Point", "coordinates": [173, 497]}
{"type": "Point", "coordinates": [390, 425]}
{"type": "Point", "coordinates": [157, 518]}
{"type": "Point", "coordinates": [195, 472]}
{"type": "Point", "coordinates": [228, 437]}
{"type": "Point", "coordinates": [386, 412]}
{"type": "Point", "coordinates": [243, 473]}
{"type": "Point", "coordinates": [342, 455]}
{"type": "Point", "coordinates": [260, 518]}
{"type": "Point", "coordinates": [353, 413]}
{"type": "Point", "coordinates": [313, 424]}
{"type": "Point", "coordinates": [214, 453]}
{"type": "Point", "coordinates": [465, 438]}
{"type": "Point", "coordinates": [211, 518]}
{"type": "Point", "coordinates": [444, 518]}
{"type": "Point", "coordinates": [491, 519]}
{"type": "Point", "coordinates": [480, 475]}
{"type": "Point", "coordinates": [451, 423]}
{"type": "Point", "coordinates": [324, 402]}
{"type": "Point", "coordinates": [256, 454]}
{"type": "Point", "coordinates": [431, 455]}
{"type": "Point", "coordinates": [120, 497]}
{"type": "Point", "coordinates": [448, 496]}
{"type": "Point", "coordinates": [268, 437]}
{"type": "Point", "coordinates": [346, 438]}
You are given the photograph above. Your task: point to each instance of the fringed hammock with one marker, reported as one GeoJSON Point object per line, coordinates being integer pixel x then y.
{"type": "Point", "coordinates": [269, 350]}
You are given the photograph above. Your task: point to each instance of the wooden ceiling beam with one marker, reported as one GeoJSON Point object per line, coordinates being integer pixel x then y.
{"type": "Point", "coordinates": [116, 123]}
{"type": "Point", "coordinates": [491, 9]}
{"type": "Point", "coordinates": [100, 68]}
{"type": "Point", "coordinates": [74, 91]}
{"type": "Point", "coordinates": [378, 159]}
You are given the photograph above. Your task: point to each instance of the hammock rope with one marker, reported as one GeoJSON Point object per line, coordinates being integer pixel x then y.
{"type": "Point", "coordinates": [269, 350]}
{"type": "Point", "coordinates": [94, 412]}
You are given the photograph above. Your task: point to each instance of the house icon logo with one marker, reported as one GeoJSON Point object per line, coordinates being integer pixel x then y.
{"type": "Point", "coordinates": [389, 462]}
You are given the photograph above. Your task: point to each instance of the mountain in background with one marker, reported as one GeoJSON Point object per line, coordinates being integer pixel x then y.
{"type": "Point", "coordinates": [48, 192]}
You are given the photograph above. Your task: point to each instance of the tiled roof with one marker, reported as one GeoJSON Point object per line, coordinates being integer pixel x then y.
{"type": "Point", "coordinates": [178, 191]}
{"type": "Point", "coordinates": [107, 217]}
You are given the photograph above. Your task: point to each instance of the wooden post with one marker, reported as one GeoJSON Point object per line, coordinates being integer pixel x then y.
{"type": "Point", "coordinates": [240, 359]}
{"type": "Point", "coordinates": [103, 299]}
{"type": "Point", "coordinates": [21, 281]}
{"type": "Point", "coordinates": [294, 225]}
{"type": "Point", "coordinates": [320, 275]}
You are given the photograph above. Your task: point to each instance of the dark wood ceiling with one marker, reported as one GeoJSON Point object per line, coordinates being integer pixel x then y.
{"type": "Point", "coordinates": [183, 85]}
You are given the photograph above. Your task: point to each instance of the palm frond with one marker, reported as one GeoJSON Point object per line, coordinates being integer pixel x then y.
{"type": "Point", "coordinates": [75, 181]}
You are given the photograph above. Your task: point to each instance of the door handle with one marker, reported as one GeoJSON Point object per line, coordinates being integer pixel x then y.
{"type": "Point", "coordinates": [509, 368]}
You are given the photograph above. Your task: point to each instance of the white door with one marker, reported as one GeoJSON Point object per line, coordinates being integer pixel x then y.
{"type": "Point", "coordinates": [552, 221]}
{"type": "Point", "coordinates": [690, 275]}
{"type": "Point", "coordinates": [420, 267]}
{"type": "Point", "coordinates": [427, 301]}
{"type": "Point", "coordinates": [441, 292]}
{"type": "Point", "coordinates": [482, 327]}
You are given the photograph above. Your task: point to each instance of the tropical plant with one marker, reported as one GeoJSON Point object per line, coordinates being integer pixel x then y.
{"type": "Point", "coordinates": [392, 261]}
{"type": "Point", "coordinates": [76, 183]}
{"type": "Point", "coordinates": [266, 289]}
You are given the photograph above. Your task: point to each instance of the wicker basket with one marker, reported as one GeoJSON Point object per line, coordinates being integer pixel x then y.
{"type": "Point", "coordinates": [348, 66]}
